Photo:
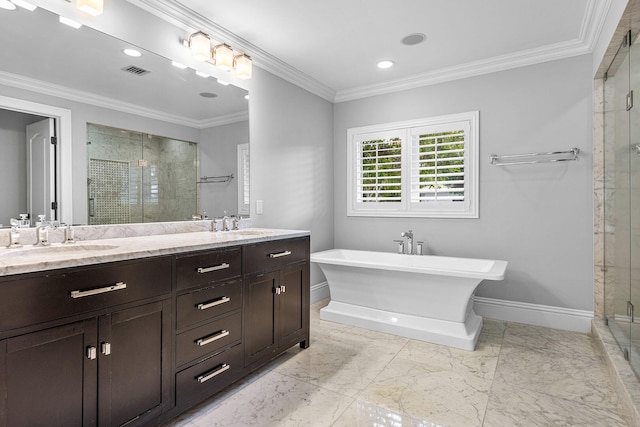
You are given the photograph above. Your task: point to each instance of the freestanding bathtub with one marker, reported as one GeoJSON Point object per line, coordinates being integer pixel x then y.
{"type": "Point", "coordinates": [429, 298]}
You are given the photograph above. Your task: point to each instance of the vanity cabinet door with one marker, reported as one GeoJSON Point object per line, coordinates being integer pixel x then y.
{"type": "Point", "coordinates": [134, 364]}
{"type": "Point", "coordinates": [259, 317]}
{"type": "Point", "coordinates": [293, 306]}
{"type": "Point", "coordinates": [48, 378]}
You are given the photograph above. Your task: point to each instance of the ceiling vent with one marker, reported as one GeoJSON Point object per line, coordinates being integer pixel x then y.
{"type": "Point", "coordinates": [135, 70]}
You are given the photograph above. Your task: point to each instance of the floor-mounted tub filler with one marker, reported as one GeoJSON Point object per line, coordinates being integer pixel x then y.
{"type": "Point", "coordinates": [428, 298]}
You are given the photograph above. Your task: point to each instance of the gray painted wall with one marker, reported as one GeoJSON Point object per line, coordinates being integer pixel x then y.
{"type": "Point", "coordinates": [291, 160]}
{"type": "Point", "coordinates": [218, 153]}
{"type": "Point", "coordinates": [537, 217]}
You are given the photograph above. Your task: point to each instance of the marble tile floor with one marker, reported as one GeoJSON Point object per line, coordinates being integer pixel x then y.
{"type": "Point", "coordinates": [519, 375]}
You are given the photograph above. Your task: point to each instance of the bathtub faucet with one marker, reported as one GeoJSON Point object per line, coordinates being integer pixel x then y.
{"type": "Point", "coordinates": [409, 246]}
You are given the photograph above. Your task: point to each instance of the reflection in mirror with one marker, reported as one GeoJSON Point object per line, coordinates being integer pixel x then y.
{"type": "Point", "coordinates": [135, 177]}
{"type": "Point", "coordinates": [86, 72]}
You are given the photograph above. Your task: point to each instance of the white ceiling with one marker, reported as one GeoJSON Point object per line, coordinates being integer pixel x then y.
{"type": "Point", "coordinates": [334, 45]}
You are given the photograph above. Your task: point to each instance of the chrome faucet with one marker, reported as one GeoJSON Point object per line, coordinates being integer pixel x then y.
{"type": "Point", "coordinates": [14, 237]}
{"type": "Point", "coordinates": [225, 223]}
{"type": "Point", "coordinates": [69, 235]}
{"type": "Point", "coordinates": [409, 236]}
{"type": "Point", "coordinates": [42, 234]}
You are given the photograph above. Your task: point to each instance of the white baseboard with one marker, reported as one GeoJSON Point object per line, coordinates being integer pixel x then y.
{"type": "Point", "coordinates": [511, 311]}
{"type": "Point", "coordinates": [319, 291]}
{"type": "Point", "coordinates": [534, 314]}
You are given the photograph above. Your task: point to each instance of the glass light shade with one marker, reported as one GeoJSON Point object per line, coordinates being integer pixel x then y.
{"type": "Point", "coordinates": [200, 45]}
{"type": "Point", "coordinates": [7, 5]}
{"type": "Point", "coordinates": [223, 55]}
{"type": "Point", "coordinates": [92, 7]}
{"type": "Point", "coordinates": [242, 65]}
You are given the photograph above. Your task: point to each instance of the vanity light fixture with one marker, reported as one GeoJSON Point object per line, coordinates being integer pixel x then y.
{"type": "Point", "coordinates": [7, 5]}
{"type": "Point", "coordinates": [25, 5]}
{"type": "Point", "coordinates": [178, 65]}
{"type": "Point", "coordinates": [92, 7]}
{"type": "Point", "coordinates": [242, 65]}
{"type": "Point", "coordinates": [200, 45]}
{"type": "Point", "coordinates": [223, 56]}
{"type": "Point", "coordinates": [70, 22]}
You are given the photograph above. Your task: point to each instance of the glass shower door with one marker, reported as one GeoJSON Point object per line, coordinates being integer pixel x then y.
{"type": "Point", "coordinates": [633, 152]}
{"type": "Point", "coordinates": [617, 201]}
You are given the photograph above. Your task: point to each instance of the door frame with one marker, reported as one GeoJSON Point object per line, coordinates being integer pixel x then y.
{"type": "Point", "coordinates": [63, 127]}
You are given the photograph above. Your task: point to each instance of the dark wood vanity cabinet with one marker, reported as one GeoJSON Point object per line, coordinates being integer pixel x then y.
{"type": "Point", "coordinates": [276, 303]}
{"type": "Point", "coordinates": [138, 342]}
{"type": "Point", "coordinates": [105, 367]}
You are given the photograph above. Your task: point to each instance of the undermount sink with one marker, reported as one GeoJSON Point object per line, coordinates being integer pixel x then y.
{"type": "Point", "coordinates": [56, 250]}
{"type": "Point", "coordinates": [252, 232]}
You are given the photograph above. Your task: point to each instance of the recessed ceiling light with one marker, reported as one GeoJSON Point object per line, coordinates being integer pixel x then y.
{"type": "Point", "coordinates": [132, 52]}
{"type": "Point", "coordinates": [25, 5]}
{"type": "Point", "coordinates": [70, 22]}
{"type": "Point", "coordinates": [201, 74]}
{"type": "Point", "coordinates": [6, 4]}
{"type": "Point", "coordinates": [385, 64]}
{"type": "Point", "coordinates": [178, 65]}
{"type": "Point", "coordinates": [413, 39]}
{"type": "Point", "coordinates": [208, 95]}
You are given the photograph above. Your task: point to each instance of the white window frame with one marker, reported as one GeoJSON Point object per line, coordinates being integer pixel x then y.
{"type": "Point", "coordinates": [405, 130]}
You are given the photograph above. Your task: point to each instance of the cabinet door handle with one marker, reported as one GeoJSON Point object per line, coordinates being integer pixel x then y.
{"type": "Point", "coordinates": [222, 266]}
{"type": "Point", "coordinates": [283, 289]}
{"type": "Point", "coordinates": [92, 353]}
{"type": "Point", "coordinates": [81, 294]}
{"type": "Point", "coordinates": [211, 338]}
{"type": "Point", "coordinates": [205, 305]}
{"type": "Point", "coordinates": [106, 348]}
{"type": "Point", "coordinates": [278, 290]}
{"type": "Point", "coordinates": [207, 376]}
{"type": "Point", "coordinates": [280, 254]}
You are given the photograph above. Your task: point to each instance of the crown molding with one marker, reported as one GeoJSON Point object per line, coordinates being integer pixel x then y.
{"type": "Point", "coordinates": [177, 14]}
{"type": "Point", "coordinates": [64, 92]}
{"type": "Point", "coordinates": [470, 69]}
{"type": "Point", "coordinates": [595, 13]}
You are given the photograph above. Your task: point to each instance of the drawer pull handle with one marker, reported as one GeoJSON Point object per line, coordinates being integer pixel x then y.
{"type": "Point", "coordinates": [81, 294]}
{"type": "Point", "coordinates": [206, 377]}
{"type": "Point", "coordinates": [280, 254]}
{"type": "Point", "coordinates": [222, 266]}
{"type": "Point", "coordinates": [204, 306]}
{"type": "Point", "coordinates": [207, 340]}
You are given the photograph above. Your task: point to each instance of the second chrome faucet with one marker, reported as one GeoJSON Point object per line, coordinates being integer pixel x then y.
{"type": "Point", "coordinates": [409, 248]}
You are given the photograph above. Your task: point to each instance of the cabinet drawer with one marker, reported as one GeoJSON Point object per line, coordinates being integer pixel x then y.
{"type": "Point", "coordinates": [33, 299]}
{"type": "Point", "coordinates": [205, 339]}
{"type": "Point", "coordinates": [209, 376]}
{"type": "Point", "coordinates": [208, 303]}
{"type": "Point", "coordinates": [272, 255]}
{"type": "Point", "coordinates": [207, 267]}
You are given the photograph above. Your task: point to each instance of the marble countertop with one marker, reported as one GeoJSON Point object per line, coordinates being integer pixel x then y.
{"type": "Point", "coordinates": [31, 258]}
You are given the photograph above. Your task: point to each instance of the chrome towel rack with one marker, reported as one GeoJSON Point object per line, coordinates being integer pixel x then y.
{"type": "Point", "coordinates": [532, 158]}
{"type": "Point", "coordinates": [212, 179]}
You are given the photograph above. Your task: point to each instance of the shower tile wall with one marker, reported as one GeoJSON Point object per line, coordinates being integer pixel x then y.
{"type": "Point", "coordinates": [163, 190]}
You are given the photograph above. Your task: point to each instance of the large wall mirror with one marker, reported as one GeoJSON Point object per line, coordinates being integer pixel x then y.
{"type": "Point", "coordinates": [47, 66]}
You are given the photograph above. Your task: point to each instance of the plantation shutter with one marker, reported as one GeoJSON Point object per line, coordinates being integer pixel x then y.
{"type": "Point", "coordinates": [439, 163]}
{"type": "Point", "coordinates": [379, 169]}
